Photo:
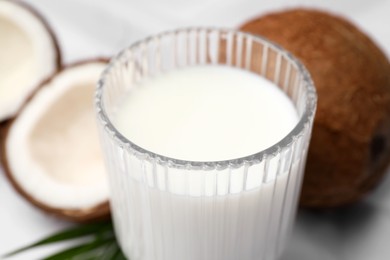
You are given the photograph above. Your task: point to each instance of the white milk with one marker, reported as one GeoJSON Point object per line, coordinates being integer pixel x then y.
{"type": "Point", "coordinates": [204, 113]}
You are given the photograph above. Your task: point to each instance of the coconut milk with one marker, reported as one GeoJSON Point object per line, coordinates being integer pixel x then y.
{"type": "Point", "coordinates": [204, 113]}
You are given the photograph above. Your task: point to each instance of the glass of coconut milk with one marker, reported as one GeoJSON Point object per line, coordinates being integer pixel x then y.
{"type": "Point", "coordinates": [205, 134]}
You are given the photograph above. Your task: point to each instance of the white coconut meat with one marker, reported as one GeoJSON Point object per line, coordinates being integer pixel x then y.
{"type": "Point", "coordinates": [52, 147]}
{"type": "Point", "coordinates": [28, 54]}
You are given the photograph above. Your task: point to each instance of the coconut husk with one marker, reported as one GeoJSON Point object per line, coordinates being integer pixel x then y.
{"type": "Point", "coordinates": [350, 146]}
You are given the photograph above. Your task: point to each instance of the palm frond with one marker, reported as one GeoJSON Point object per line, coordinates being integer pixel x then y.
{"type": "Point", "coordinates": [102, 243]}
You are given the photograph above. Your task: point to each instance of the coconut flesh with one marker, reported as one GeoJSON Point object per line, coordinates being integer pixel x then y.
{"type": "Point", "coordinates": [28, 54]}
{"type": "Point", "coordinates": [52, 149]}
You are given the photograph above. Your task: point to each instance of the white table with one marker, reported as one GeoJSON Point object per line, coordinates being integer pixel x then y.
{"type": "Point", "coordinates": [91, 28]}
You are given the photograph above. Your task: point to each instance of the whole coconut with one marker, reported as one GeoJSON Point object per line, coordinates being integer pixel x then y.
{"type": "Point", "coordinates": [350, 146]}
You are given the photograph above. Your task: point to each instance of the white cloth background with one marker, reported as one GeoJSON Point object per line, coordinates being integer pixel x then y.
{"type": "Point", "coordinates": [96, 28]}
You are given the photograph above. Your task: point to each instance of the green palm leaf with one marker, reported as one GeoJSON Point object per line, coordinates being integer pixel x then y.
{"type": "Point", "coordinates": [101, 245]}
{"type": "Point", "coordinates": [87, 248]}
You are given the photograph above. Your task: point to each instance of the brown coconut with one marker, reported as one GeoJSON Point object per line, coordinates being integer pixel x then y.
{"type": "Point", "coordinates": [350, 146]}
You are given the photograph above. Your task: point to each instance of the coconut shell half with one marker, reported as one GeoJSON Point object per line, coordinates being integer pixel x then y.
{"type": "Point", "coordinates": [29, 53]}
{"type": "Point", "coordinates": [350, 146]}
{"type": "Point", "coordinates": [50, 151]}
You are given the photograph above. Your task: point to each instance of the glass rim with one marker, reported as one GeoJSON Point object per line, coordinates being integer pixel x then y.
{"type": "Point", "coordinates": [286, 141]}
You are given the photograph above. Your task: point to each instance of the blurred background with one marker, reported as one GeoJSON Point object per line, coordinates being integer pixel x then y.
{"type": "Point", "coordinates": [101, 28]}
{"type": "Point", "coordinates": [89, 28]}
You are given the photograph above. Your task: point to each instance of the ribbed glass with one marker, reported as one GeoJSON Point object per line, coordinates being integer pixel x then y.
{"type": "Point", "coordinates": [234, 209]}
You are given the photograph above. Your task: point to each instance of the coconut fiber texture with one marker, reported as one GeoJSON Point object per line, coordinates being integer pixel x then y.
{"type": "Point", "coordinates": [350, 146]}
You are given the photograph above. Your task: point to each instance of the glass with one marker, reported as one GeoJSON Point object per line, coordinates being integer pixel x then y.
{"type": "Point", "coordinates": [234, 209]}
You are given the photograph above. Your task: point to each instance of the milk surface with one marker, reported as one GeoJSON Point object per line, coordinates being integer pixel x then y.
{"type": "Point", "coordinates": [206, 113]}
